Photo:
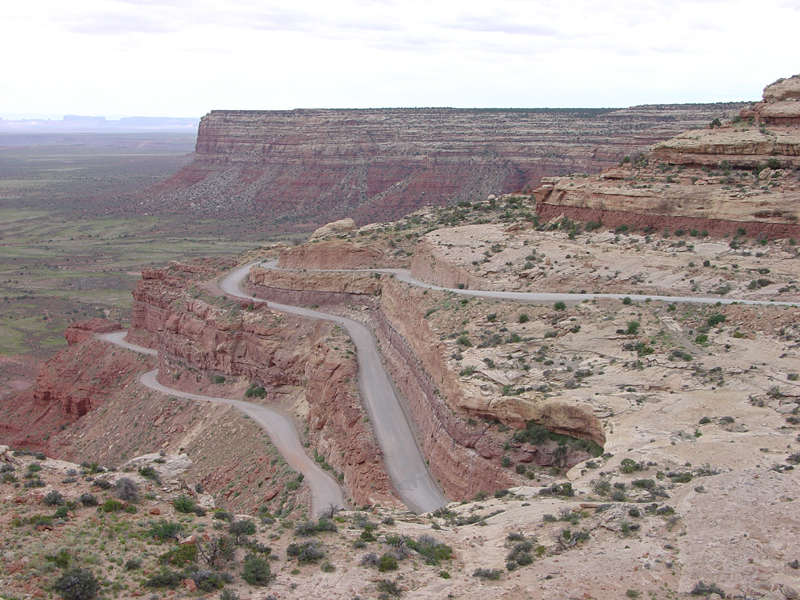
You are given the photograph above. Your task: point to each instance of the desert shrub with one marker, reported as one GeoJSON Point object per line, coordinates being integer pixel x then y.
{"type": "Point", "coordinates": [149, 472]}
{"type": "Point", "coordinates": [240, 529]}
{"type": "Point", "coordinates": [464, 341]}
{"type": "Point", "coordinates": [77, 584]}
{"type": "Point", "coordinates": [180, 556]}
{"type": "Point", "coordinates": [327, 567]}
{"type": "Point", "coordinates": [126, 490]}
{"type": "Point", "coordinates": [223, 516]}
{"type": "Point", "coordinates": [217, 551]}
{"type": "Point", "coordinates": [492, 574]}
{"type": "Point", "coordinates": [307, 552]}
{"type": "Point", "coordinates": [183, 504]}
{"type": "Point", "coordinates": [387, 586]}
{"type": "Point", "coordinates": [218, 379]}
{"type": "Point", "coordinates": [626, 301]}
{"type": "Point", "coordinates": [308, 528]}
{"type": "Point", "coordinates": [370, 560]}
{"type": "Point", "coordinates": [256, 570]}
{"type": "Point", "coordinates": [87, 499]}
{"type": "Point", "coordinates": [62, 559]}
{"type": "Point", "coordinates": [102, 484]}
{"type": "Point", "coordinates": [433, 550]}
{"type": "Point", "coordinates": [701, 589]}
{"type": "Point", "coordinates": [208, 581]}
{"type": "Point", "coordinates": [165, 578]}
{"type": "Point", "coordinates": [532, 434]}
{"type": "Point", "coordinates": [387, 562]}
{"type": "Point", "coordinates": [523, 318]}
{"type": "Point", "coordinates": [628, 465]}
{"type": "Point", "coordinates": [112, 506]}
{"type": "Point", "coordinates": [521, 553]}
{"type": "Point", "coordinates": [53, 498]}
{"type": "Point", "coordinates": [164, 530]}
{"type": "Point", "coordinates": [133, 564]}
{"type": "Point", "coordinates": [560, 305]}
{"type": "Point", "coordinates": [228, 595]}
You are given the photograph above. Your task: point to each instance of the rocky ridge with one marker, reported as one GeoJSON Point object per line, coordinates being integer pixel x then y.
{"type": "Point", "coordinates": [741, 175]}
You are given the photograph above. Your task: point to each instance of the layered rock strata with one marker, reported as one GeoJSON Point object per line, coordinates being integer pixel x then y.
{"type": "Point", "coordinates": [314, 166]}
{"type": "Point", "coordinates": [739, 177]}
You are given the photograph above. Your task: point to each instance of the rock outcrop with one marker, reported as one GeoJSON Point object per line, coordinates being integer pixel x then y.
{"type": "Point", "coordinates": [308, 167]}
{"type": "Point", "coordinates": [83, 330]}
{"type": "Point", "coordinates": [736, 177]}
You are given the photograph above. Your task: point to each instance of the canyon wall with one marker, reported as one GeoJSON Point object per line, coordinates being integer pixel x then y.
{"type": "Point", "coordinates": [307, 167]}
{"type": "Point", "coordinates": [303, 365]}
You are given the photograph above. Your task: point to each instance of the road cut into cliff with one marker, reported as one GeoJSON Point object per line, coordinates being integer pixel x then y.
{"type": "Point", "coordinates": [325, 492]}
{"type": "Point", "coordinates": [401, 452]}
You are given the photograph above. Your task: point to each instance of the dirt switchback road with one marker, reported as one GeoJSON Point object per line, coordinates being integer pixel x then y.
{"type": "Point", "coordinates": [401, 453]}
{"type": "Point", "coordinates": [324, 489]}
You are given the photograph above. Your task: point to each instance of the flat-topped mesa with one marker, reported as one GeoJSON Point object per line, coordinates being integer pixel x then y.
{"type": "Point", "coordinates": [314, 166]}
{"type": "Point", "coordinates": [736, 177]}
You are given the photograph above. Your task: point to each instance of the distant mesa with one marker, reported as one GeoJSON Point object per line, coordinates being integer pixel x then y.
{"type": "Point", "coordinates": [727, 178]}
{"type": "Point", "coordinates": [304, 168]}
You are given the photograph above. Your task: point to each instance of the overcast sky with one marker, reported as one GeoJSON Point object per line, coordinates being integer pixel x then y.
{"type": "Point", "coordinates": [183, 58]}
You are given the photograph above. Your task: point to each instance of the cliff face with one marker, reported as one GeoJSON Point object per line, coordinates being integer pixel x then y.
{"type": "Point", "coordinates": [297, 166]}
{"type": "Point", "coordinates": [738, 177]}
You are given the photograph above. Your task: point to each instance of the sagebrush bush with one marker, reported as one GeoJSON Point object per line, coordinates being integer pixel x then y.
{"type": "Point", "coordinates": [126, 490]}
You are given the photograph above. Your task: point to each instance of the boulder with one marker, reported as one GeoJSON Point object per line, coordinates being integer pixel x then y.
{"type": "Point", "coordinates": [334, 228]}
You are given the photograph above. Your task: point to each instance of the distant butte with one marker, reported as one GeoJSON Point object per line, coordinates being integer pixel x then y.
{"type": "Point", "coordinates": [306, 167]}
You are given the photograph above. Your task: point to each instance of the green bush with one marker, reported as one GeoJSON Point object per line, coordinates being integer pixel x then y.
{"type": "Point", "coordinates": [183, 504]}
{"type": "Point", "coordinates": [240, 529]}
{"type": "Point", "coordinates": [464, 341]}
{"type": "Point", "coordinates": [388, 563]}
{"type": "Point", "coordinates": [164, 578]}
{"type": "Point", "coordinates": [112, 506]}
{"type": "Point", "coordinates": [256, 570]}
{"type": "Point", "coordinates": [165, 530]}
{"type": "Point", "coordinates": [180, 556]}
{"type": "Point", "coordinates": [61, 559]}
{"type": "Point", "coordinates": [523, 318]}
{"type": "Point", "coordinates": [433, 550]}
{"type": "Point", "coordinates": [560, 305]}
{"type": "Point", "coordinates": [77, 584]}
